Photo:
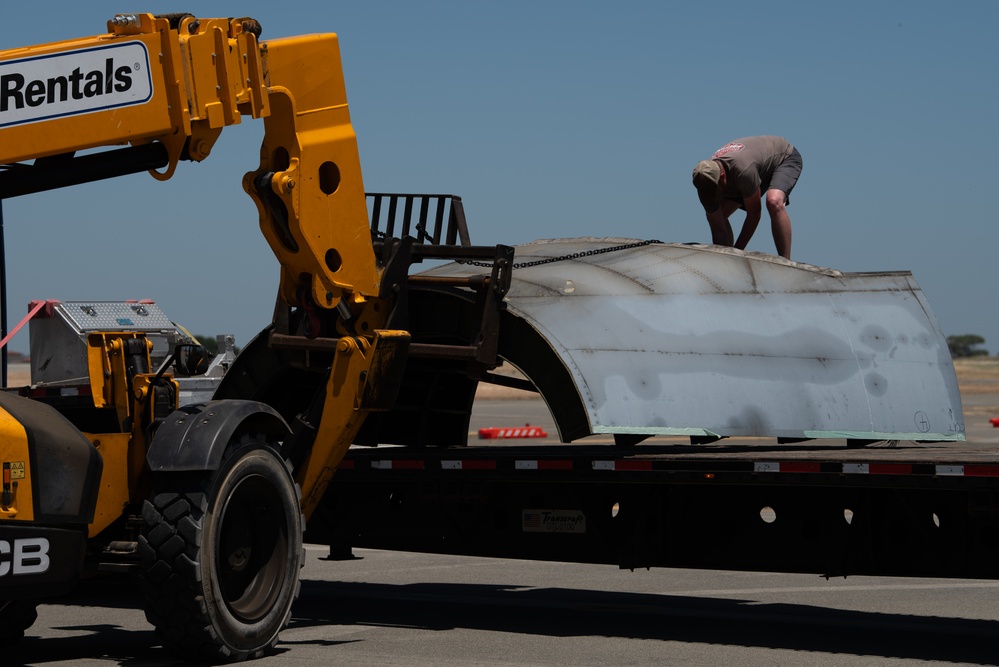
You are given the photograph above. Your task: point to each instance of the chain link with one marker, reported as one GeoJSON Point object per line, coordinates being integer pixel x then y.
{"type": "Point", "coordinates": [575, 255]}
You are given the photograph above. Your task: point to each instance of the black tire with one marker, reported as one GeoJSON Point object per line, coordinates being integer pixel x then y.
{"type": "Point", "coordinates": [16, 616]}
{"type": "Point", "coordinates": [221, 553]}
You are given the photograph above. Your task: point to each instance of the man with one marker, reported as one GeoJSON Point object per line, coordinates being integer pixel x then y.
{"type": "Point", "coordinates": [737, 176]}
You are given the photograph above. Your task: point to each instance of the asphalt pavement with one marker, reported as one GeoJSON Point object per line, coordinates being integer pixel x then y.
{"type": "Point", "coordinates": [389, 608]}
{"type": "Point", "coordinates": [393, 609]}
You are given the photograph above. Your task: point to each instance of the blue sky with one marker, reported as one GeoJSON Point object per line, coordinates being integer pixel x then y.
{"type": "Point", "coordinates": [561, 119]}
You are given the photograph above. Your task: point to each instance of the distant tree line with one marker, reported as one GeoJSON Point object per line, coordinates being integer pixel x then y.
{"type": "Point", "coordinates": [966, 345]}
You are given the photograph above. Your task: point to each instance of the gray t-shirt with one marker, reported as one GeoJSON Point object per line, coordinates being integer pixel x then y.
{"type": "Point", "coordinates": [750, 163]}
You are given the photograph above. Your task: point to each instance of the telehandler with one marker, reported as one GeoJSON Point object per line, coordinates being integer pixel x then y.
{"type": "Point", "coordinates": [206, 502]}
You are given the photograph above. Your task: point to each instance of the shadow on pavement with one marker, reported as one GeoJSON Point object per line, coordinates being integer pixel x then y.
{"type": "Point", "coordinates": [554, 612]}
{"type": "Point", "coordinates": [574, 613]}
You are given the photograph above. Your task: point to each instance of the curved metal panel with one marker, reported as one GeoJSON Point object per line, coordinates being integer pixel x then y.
{"type": "Point", "coordinates": [674, 339]}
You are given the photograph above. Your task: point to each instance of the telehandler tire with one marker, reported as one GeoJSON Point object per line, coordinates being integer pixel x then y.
{"type": "Point", "coordinates": [16, 616]}
{"type": "Point", "coordinates": [221, 553]}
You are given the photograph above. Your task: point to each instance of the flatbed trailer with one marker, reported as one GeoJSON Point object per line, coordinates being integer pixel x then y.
{"type": "Point", "coordinates": [900, 509]}
{"type": "Point", "coordinates": [712, 409]}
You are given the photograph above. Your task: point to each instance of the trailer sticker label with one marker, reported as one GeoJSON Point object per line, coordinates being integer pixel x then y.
{"type": "Point", "coordinates": [72, 83]}
{"type": "Point", "coordinates": [553, 521]}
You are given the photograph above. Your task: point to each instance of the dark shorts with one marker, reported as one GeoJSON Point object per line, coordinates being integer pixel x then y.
{"type": "Point", "coordinates": [786, 175]}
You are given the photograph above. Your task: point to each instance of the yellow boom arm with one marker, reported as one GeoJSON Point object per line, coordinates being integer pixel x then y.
{"type": "Point", "coordinates": [166, 87]}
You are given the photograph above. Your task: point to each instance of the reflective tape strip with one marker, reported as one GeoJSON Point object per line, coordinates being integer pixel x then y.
{"type": "Point", "coordinates": [891, 469]}
{"type": "Point", "coordinates": [800, 466]}
{"type": "Point", "coordinates": [877, 468]}
{"type": "Point", "coordinates": [471, 464]}
{"type": "Point", "coordinates": [402, 464]}
{"type": "Point", "coordinates": [632, 465]}
{"type": "Point", "coordinates": [544, 464]}
{"type": "Point", "coordinates": [981, 471]}
{"type": "Point", "coordinates": [622, 465]}
{"type": "Point", "coordinates": [787, 466]}
{"type": "Point", "coordinates": [46, 392]}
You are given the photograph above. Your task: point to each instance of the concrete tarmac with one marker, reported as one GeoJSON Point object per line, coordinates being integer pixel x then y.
{"type": "Point", "coordinates": [393, 609]}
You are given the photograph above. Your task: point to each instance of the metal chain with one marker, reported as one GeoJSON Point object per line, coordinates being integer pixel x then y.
{"type": "Point", "coordinates": [575, 255]}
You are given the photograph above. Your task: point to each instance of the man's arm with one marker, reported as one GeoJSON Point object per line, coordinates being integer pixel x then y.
{"type": "Point", "coordinates": [721, 230]}
{"type": "Point", "coordinates": [753, 212]}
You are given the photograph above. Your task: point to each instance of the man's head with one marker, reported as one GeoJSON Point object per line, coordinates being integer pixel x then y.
{"type": "Point", "coordinates": [709, 178]}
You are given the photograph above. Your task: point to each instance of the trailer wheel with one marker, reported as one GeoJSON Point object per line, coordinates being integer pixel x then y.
{"type": "Point", "coordinates": [16, 616]}
{"type": "Point", "coordinates": [221, 553]}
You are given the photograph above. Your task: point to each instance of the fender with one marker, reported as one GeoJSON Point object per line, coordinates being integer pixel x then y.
{"type": "Point", "coordinates": [194, 437]}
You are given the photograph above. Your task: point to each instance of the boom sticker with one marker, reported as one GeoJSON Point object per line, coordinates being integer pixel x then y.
{"type": "Point", "coordinates": [71, 83]}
